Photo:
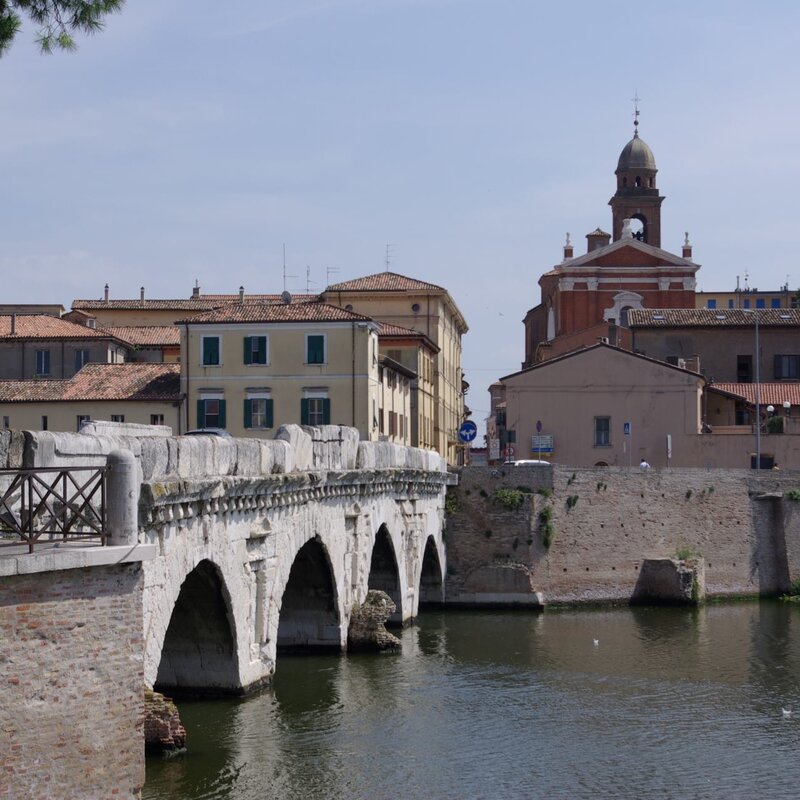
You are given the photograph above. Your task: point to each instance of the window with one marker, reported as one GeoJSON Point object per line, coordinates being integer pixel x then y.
{"type": "Point", "coordinates": [760, 302]}
{"type": "Point", "coordinates": [730, 303]}
{"type": "Point", "coordinates": [82, 419]}
{"type": "Point", "coordinates": [315, 411]}
{"type": "Point", "coordinates": [156, 419]}
{"type": "Point", "coordinates": [775, 302]}
{"type": "Point", "coordinates": [210, 412]}
{"type": "Point", "coordinates": [744, 369]}
{"type": "Point", "coordinates": [42, 362]}
{"type": "Point", "coordinates": [602, 431]}
{"type": "Point", "coordinates": [6, 422]}
{"type": "Point", "coordinates": [81, 358]}
{"type": "Point", "coordinates": [787, 367]}
{"type": "Point", "coordinates": [211, 351]}
{"type": "Point", "coordinates": [118, 418]}
{"type": "Point", "coordinates": [746, 303]}
{"type": "Point", "coordinates": [258, 412]}
{"type": "Point", "coordinates": [711, 303]}
{"type": "Point", "coordinates": [315, 348]}
{"type": "Point", "coordinates": [44, 422]}
{"type": "Point", "coordinates": [255, 350]}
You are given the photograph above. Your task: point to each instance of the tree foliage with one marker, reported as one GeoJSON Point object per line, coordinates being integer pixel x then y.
{"type": "Point", "coordinates": [56, 20]}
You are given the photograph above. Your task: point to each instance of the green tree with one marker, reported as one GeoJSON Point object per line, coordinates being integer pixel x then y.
{"type": "Point", "coordinates": [57, 20]}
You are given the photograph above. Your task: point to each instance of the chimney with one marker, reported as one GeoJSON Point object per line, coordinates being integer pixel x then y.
{"type": "Point", "coordinates": [141, 293]}
{"type": "Point", "coordinates": [597, 239]}
{"type": "Point", "coordinates": [196, 289]}
{"type": "Point", "coordinates": [13, 324]}
{"type": "Point", "coordinates": [687, 248]}
{"type": "Point", "coordinates": [241, 295]}
{"type": "Point", "coordinates": [613, 332]}
{"type": "Point", "coordinates": [105, 296]}
{"type": "Point", "coordinates": [568, 251]}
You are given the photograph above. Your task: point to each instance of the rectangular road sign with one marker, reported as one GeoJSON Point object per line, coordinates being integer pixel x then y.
{"type": "Point", "coordinates": [542, 444]}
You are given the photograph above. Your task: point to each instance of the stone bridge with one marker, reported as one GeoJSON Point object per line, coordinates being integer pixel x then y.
{"type": "Point", "coordinates": [266, 545]}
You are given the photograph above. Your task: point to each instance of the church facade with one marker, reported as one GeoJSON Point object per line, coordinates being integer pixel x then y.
{"type": "Point", "coordinates": [584, 295]}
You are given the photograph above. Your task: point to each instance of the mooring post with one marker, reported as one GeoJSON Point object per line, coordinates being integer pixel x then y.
{"type": "Point", "coordinates": [122, 498]}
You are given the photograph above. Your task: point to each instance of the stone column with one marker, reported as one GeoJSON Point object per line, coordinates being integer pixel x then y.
{"type": "Point", "coordinates": [122, 498]}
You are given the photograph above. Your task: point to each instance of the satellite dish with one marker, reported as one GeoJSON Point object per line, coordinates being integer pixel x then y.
{"type": "Point", "coordinates": [286, 297]}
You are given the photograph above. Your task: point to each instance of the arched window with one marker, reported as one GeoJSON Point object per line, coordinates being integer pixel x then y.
{"type": "Point", "coordinates": [638, 181]}
{"type": "Point", "coordinates": [623, 316]}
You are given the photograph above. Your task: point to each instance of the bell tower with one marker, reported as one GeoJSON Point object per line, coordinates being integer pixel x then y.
{"type": "Point", "coordinates": [637, 196]}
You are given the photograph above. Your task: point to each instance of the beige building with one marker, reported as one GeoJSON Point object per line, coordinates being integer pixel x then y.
{"type": "Point", "coordinates": [394, 401]}
{"type": "Point", "coordinates": [250, 368]}
{"type": "Point", "coordinates": [747, 298]}
{"type": "Point", "coordinates": [417, 353]}
{"type": "Point", "coordinates": [44, 346]}
{"type": "Point", "coordinates": [145, 393]}
{"type": "Point", "coordinates": [425, 308]}
{"type": "Point", "coordinates": [588, 399]}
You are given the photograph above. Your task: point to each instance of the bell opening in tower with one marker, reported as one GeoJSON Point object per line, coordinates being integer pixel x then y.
{"type": "Point", "coordinates": [639, 227]}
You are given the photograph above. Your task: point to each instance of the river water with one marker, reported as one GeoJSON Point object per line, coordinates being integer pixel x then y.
{"type": "Point", "coordinates": [669, 703]}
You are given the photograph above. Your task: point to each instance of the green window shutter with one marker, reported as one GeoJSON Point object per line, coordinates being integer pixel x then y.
{"type": "Point", "coordinates": [248, 413]}
{"type": "Point", "coordinates": [201, 413]}
{"type": "Point", "coordinates": [262, 349]}
{"type": "Point", "coordinates": [211, 350]}
{"type": "Point", "coordinates": [304, 404]}
{"type": "Point", "coordinates": [778, 362]}
{"type": "Point", "coordinates": [248, 352]}
{"type": "Point", "coordinates": [316, 349]}
{"type": "Point", "coordinates": [326, 411]}
{"type": "Point", "coordinates": [221, 413]}
{"type": "Point", "coordinates": [269, 413]}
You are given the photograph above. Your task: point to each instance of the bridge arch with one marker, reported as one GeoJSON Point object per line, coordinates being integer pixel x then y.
{"type": "Point", "coordinates": [199, 649]}
{"type": "Point", "coordinates": [308, 613]}
{"type": "Point", "coordinates": [431, 579]}
{"type": "Point", "coordinates": [384, 572]}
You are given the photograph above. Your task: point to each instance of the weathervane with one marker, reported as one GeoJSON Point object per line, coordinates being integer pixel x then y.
{"type": "Point", "coordinates": [636, 100]}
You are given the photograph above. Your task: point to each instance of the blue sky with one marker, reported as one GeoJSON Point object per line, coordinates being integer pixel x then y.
{"type": "Point", "coordinates": [189, 141]}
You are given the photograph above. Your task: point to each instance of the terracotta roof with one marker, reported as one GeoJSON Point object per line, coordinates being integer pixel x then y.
{"type": "Point", "coordinates": [147, 336]}
{"type": "Point", "coordinates": [259, 298]}
{"type": "Point", "coordinates": [384, 282]}
{"type": "Point", "coordinates": [292, 312]}
{"type": "Point", "coordinates": [45, 326]}
{"type": "Point", "coordinates": [100, 382]}
{"type": "Point", "coordinates": [770, 393]}
{"type": "Point", "coordinates": [146, 305]}
{"type": "Point", "coordinates": [389, 329]}
{"type": "Point", "coordinates": [711, 317]}
{"type": "Point", "coordinates": [579, 350]}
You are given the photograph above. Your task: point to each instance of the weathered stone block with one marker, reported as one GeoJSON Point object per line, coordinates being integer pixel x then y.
{"type": "Point", "coordinates": [300, 444]}
{"type": "Point", "coordinates": [367, 629]}
{"type": "Point", "coordinates": [670, 580]}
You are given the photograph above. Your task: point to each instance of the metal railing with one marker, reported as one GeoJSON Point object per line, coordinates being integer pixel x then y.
{"type": "Point", "coordinates": [59, 504]}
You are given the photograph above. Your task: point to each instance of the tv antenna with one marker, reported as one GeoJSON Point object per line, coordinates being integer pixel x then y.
{"type": "Point", "coordinates": [330, 271]}
{"type": "Point", "coordinates": [308, 279]}
{"type": "Point", "coordinates": [285, 276]}
{"type": "Point", "coordinates": [388, 261]}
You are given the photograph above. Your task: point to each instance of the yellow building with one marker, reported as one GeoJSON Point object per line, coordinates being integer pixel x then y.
{"type": "Point", "coordinates": [425, 308]}
{"type": "Point", "coordinates": [145, 393]}
{"type": "Point", "coordinates": [747, 298]}
{"type": "Point", "coordinates": [249, 368]}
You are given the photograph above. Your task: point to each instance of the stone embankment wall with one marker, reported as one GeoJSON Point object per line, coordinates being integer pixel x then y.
{"type": "Point", "coordinates": [71, 650]}
{"type": "Point", "coordinates": [604, 522]}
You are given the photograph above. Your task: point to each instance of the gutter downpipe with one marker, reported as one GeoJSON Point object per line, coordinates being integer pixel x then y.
{"type": "Point", "coordinates": [353, 372]}
{"type": "Point", "coordinates": [186, 420]}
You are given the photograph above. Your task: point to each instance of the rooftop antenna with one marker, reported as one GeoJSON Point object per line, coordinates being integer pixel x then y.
{"type": "Point", "coordinates": [308, 279]}
{"type": "Point", "coordinates": [328, 272]}
{"type": "Point", "coordinates": [388, 255]}
{"type": "Point", "coordinates": [636, 100]}
{"type": "Point", "coordinates": [285, 276]}
{"type": "Point", "coordinates": [746, 280]}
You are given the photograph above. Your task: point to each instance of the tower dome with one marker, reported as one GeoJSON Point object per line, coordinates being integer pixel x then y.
{"type": "Point", "coordinates": [636, 155]}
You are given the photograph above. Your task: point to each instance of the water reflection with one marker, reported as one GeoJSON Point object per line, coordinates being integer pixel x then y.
{"type": "Point", "coordinates": [670, 703]}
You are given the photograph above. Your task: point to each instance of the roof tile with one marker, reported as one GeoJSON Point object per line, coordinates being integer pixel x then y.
{"type": "Point", "coordinates": [147, 336]}
{"type": "Point", "coordinates": [292, 312]}
{"type": "Point", "coordinates": [45, 326]}
{"type": "Point", "coordinates": [384, 282]}
{"type": "Point", "coordinates": [710, 317]}
{"type": "Point", "coordinates": [774, 393]}
{"type": "Point", "coordinates": [101, 382]}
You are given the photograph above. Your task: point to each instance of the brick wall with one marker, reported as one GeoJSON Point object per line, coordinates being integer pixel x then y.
{"type": "Point", "coordinates": [750, 545]}
{"type": "Point", "coordinates": [72, 684]}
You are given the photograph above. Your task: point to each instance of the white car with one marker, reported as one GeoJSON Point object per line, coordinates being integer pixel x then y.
{"type": "Point", "coordinates": [530, 462]}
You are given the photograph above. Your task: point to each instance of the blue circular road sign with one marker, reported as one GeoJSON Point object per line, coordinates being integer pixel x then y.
{"type": "Point", "coordinates": [468, 431]}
